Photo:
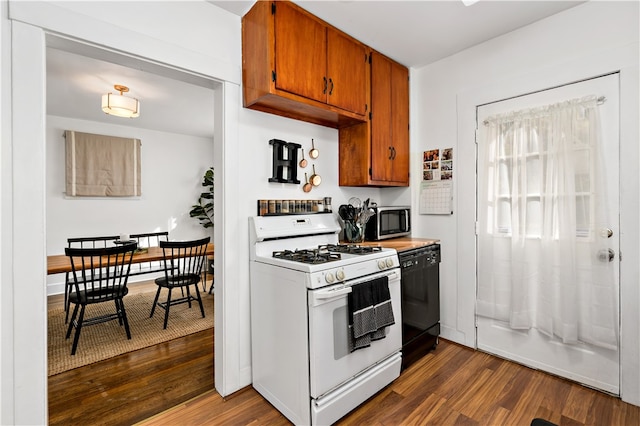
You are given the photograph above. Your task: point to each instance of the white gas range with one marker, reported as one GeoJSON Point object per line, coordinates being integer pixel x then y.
{"type": "Point", "coordinates": [310, 356]}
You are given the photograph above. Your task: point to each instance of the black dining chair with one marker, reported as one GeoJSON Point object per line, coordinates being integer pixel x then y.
{"type": "Point", "coordinates": [83, 242]}
{"type": "Point", "coordinates": [99, 275]}
{"type": "Point", "coordinates": [183, 262]}
{"type": "Point", "coordinates": [146, 240]}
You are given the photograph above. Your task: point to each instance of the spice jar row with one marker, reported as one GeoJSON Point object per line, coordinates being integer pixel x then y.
{"type": "Point", "coordinates": [283, 207]}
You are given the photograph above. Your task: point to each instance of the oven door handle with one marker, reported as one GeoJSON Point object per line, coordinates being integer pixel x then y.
{"type": "Point", "coordinates": [330, 294]}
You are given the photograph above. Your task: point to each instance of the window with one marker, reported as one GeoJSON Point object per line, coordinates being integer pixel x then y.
{"type": "Point", "coordinates": [532, 162]}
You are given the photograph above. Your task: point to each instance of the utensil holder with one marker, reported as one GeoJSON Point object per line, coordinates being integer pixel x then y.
{"type": "Point", "coordinates": [353, 231]}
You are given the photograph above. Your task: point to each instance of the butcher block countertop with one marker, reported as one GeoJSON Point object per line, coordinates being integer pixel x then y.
{"type": "Point", "coordinates": [401, 244]}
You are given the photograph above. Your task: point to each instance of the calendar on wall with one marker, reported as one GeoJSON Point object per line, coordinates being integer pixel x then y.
{"type": "Point", "coordinates": [436, 188]}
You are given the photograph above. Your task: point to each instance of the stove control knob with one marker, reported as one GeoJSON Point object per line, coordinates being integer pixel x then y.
{"type": "Point", "coordinates": [389, 262]}
{"type": "Point", "coordinates": [329, 277]}
{"type": "Point", "coordinates": [381, 264]}
{"type": "Point", "coordinates": [340, 274]}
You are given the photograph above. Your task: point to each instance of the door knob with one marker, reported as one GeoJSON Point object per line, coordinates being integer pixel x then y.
{"type": "Point", "coordinates": [606, 255]}
{"type": "Point", "coordinates": [607, 232]}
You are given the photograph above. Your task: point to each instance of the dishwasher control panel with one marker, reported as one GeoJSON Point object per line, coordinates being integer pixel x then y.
{"type": "Point", "coordinates": [429, 255]}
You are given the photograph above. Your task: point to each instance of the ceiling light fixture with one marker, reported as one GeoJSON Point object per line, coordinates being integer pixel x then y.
{"type": "Point", "coordinates": [120, 106]}
{"type": "Point", "coordinates": [469, 2]}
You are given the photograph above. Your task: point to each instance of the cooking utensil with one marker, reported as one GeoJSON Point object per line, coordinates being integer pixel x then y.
{"type": "Point", "coordinates": [307, 186]}
{"type": "Point", "coordinates": [355, 202]}
{"type": "Point", "coordinates": [347, 212]}
{"type": "Point", "coordinates": [315, 178]}
{"type": "Point", "coordinates": [314, 153]}
{"type": "Point", "coordinates": [343, 211]}
{"type": "Point", "coordinates": [303, 162]}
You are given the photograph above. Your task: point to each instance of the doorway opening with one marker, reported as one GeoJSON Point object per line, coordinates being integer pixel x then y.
{"type": "Point", "coordinates": [185, 102]}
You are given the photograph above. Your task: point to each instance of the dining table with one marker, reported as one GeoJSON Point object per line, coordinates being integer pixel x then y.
{"type": "Point", "coordinates": [61, 263]}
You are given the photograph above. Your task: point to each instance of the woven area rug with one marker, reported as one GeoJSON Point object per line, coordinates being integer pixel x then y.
{"type": "Point", "coordinates": [102, 341]}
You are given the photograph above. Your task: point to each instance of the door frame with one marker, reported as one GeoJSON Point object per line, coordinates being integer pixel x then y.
{"type": "Point", "coordinates": [24, 359]}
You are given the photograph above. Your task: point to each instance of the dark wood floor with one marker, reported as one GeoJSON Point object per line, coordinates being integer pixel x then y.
{"type": "Point", "coordinates": [134, 386]}
{"type": "Point", "coordinates": [451, 385]}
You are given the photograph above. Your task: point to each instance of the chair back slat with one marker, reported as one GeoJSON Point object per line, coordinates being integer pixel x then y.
{"type": "Point", "coordinates": [92, 242]}
{"type": "Point", "coordinates": [150, 239]}
{"type": "Point", "coordinates": [146, 240]}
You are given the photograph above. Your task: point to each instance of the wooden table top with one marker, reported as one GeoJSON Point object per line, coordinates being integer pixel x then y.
{"type": "Point", "coordinates": [60, 263]}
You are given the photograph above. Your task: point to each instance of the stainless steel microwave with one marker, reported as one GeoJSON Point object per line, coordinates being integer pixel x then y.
{"type": "Point", "coordinates": [388, 222]}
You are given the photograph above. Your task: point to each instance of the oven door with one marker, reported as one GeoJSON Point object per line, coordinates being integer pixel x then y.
{"type": "Point", "coordinates": [331, 362]}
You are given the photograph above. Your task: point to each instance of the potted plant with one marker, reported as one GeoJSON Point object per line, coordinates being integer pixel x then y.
{"type": "Point", "coordinates": [203, 211]}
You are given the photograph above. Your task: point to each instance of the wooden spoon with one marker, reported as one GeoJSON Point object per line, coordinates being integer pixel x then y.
{"type": "Point", "coordinates": [307, 186]}
{"type": "Point", "coordinates": [303, 162]}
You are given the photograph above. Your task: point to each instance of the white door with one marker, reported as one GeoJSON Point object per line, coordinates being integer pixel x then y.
{"type": "Point", "coordinates": [586, 363]}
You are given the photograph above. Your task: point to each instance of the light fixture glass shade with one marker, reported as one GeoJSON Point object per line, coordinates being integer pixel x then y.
{"type": "Point", "coordinates": [120, 105]}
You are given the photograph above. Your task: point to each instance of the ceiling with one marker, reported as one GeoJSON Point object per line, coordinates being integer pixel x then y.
{"type": "Point", "coordinates": [414, 33]}
{"type": "Point", "coordinates": [419, 32]}
{"type": "Point", "coordinates": [170, 101]}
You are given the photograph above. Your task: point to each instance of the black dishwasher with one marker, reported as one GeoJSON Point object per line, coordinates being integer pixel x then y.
{"type": "Point", "coordinates": [420, 284]}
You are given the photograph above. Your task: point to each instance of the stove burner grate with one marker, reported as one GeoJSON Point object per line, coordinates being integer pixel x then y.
{"type": "Point", "coordinates": [313, 256]}
{"type": "Point", "coordinates": [349, 248]}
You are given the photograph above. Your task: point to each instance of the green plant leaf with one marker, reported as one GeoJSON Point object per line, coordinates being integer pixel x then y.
{"type": "Point", "coordinates": [203, 211]}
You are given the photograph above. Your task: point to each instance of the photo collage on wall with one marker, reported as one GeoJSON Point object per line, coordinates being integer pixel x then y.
{"type": "Point", "coordinates": [436, 188]}
{"type": "Point", "coordinates": [437, 165]}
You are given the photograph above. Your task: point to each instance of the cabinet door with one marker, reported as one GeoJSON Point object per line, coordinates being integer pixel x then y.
{"type": "Point", "coordinates": [381, 149]}
{"type": "Point", "coordinates": [346, 72]}
{"type": "Point", "coordinates": [300, 52]}
{"type": "Point", "coordinates": [400, 123]}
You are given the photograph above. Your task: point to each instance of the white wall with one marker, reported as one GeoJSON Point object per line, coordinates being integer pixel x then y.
{"type": "Point", "coordinates": [6, 291]}
{"type": "Point", "coordinates": [172, 167]}
{"type": "Point", "coordinates": [585, 41]}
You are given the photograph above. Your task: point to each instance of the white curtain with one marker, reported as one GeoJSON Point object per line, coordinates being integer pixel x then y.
{"type": "Point", "coordinates": [542, 244]}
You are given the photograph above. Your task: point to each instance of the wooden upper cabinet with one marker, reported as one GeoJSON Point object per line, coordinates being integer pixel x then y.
{"type": "Point", "coordinates": [347, 71]}
{"type": "Point", "coordinates": [377, 153]}
{"type": "Point", "coordinates": [301, 53]}
{"type": "Point", "coordinates": [298, 66]}
{"type": "Point", "coordinates": [381, 119]}
{"type": "Point", "coordinates": [400, 123]}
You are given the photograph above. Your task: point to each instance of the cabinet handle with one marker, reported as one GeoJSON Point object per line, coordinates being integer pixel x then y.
{"type": "Point", "coordinates": [390, 153]}
{"type": "Point", "coordinates": [393, 153]}
{"type": "Point", "coordinates": [331, 82]}
{"type": "Point", "coordinates": [324, 91]}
